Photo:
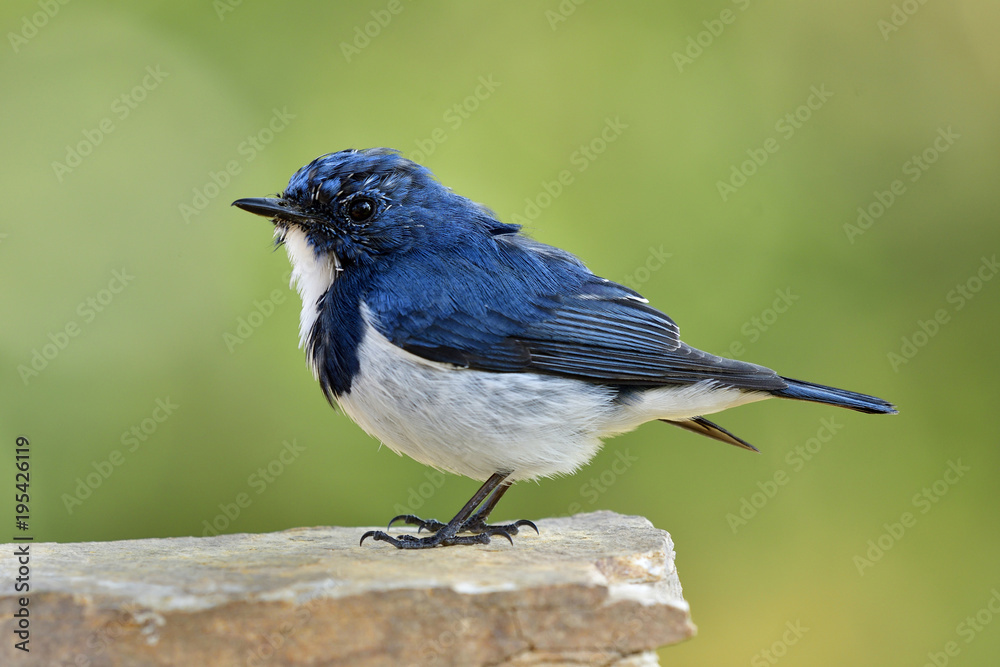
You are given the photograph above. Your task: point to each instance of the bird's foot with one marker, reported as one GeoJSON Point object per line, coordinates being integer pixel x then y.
{"type": "Point", "coordinates": [478, 526]}
{"type": "Point", "coordinates": [444, 535]}
{"type": "Point", "coordinates": [474, 524]}
{"type": "Point", "coordinates": [431, 525]}
{"type": "Point", "coordinates": [439, 539]}
{"type": "Point", "coordinates": [466, 521]}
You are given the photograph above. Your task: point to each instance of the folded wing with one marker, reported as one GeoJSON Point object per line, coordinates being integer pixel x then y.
{"type": "Point", "coordinates": [524, 306]}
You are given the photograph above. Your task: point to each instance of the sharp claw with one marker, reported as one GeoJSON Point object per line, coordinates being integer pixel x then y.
{"type": "Point", "coordinates": [430, 525]}
{"type": "Point", "coordinates": [481, 530]}
{"type": "Point", "coordinates": [525, 522]}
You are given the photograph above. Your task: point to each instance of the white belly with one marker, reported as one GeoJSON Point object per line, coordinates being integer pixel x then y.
{"type": "Point", "coordinates": [476, 423]}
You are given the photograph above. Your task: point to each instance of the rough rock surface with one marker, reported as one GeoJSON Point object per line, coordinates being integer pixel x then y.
{"type": "Point", "coordinates": [592, 589]}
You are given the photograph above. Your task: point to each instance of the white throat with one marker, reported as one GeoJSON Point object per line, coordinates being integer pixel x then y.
{"type": "Point", "coordinates": [312, 276]}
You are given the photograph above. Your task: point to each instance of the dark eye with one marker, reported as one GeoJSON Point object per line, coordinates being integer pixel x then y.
{"type": "Point", "coordinates": [361, 209]}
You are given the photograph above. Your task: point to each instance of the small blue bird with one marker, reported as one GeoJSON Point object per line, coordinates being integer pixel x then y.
{"type": "Point", "coordinates": [468, 346]}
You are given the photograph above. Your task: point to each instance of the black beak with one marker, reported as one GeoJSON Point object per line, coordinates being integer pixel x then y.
{"type": "Point", "coordinates": [270, 207]}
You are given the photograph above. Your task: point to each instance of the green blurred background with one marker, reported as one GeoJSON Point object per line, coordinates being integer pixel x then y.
{"type": "Point", "coordinates": [118, 126]}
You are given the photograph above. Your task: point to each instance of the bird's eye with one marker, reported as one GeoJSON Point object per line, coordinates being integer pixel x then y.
{"type": "Point", "coordinates": [361, 209]}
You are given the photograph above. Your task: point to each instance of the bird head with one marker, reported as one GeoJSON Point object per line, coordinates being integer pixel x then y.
{"type": "Point", "coordinates": [355, 205]}
{"type": "Point", "coordinates": [365, 208]}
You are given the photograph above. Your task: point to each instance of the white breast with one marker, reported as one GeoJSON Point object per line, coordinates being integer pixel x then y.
{"type": "Point", "coordinates": [476, 423]}
{"type": "Point", "coordinates": [312, 276]}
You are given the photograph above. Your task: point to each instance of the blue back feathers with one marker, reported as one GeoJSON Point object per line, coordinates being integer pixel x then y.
{"type": "Point", "coordinates": [444, 279]}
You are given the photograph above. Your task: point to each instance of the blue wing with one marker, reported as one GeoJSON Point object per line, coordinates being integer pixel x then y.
{"type": "Point", "coordinates": [507, 303]}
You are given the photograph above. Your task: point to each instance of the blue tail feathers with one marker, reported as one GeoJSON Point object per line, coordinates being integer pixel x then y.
{"type": "Point", "coordinates": [818, 393]}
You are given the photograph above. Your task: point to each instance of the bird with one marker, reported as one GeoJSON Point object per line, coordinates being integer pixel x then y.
{"type": "Point", "coordinates": [460, 341]}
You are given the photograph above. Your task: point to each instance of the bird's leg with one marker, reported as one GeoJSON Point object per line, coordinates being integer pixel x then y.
{"type": "Point", "coordinates": [477, 522]}
{"type": "Point", "coordinates": [433, 525]}
{"type": "Point", "coordinates": [465, 521]}
{"type": "Point", "coordinates": [447, 534]}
